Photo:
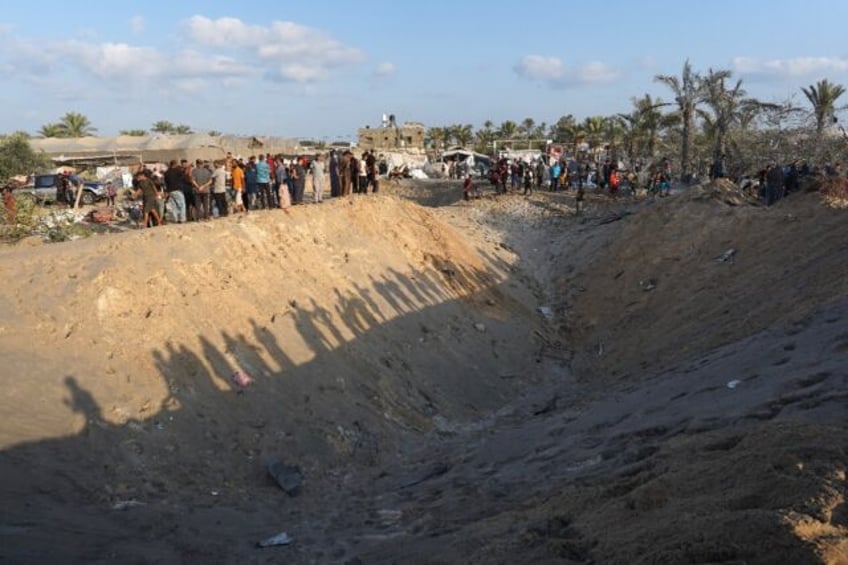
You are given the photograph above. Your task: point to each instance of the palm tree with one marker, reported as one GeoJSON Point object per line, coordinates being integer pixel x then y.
{"type": "Point", "coordinates": [52, 130]}
{"type": "Point", "coordinates": [726, 105]}
{"type": "Point", "coordinates": [687, 93]}
{"type": "Point", "coordinates": [526, 127]}
{"type": "Point", "coordinates": [463, 134]}
{"type": "Point", "coordinates": [508, 129]}
{"type": "Point", "coordinates": [162, 126]}
{"type": "Point", "coordinates": [564, 130]}
{"type": "Point", "coordinates": [540, 131]}
{"type": "Point", "coordinates": [76, 125]}
{"type": "Point", "coordinates": [823, 96]}
{"type": "Point", "coordinates": [436, 137]}
{"type": "Point", "coordinates": [645, 122]}
{"type": "Point", "coordinates": [593, 129]}
{"type": "Point", "coordinates": [133, 132]}
{"type": "Point", "coordinates": [183, 129]}
{"type": "Point", "coordinates": [613, 129]}
{"type": "Point", "coordinates": [483, 137]}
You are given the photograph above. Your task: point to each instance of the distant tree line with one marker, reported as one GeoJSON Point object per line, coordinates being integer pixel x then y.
{"type": "Point", "coordinates": [74, 124]}
{"type": "Point", "coordinates": [710, 115]}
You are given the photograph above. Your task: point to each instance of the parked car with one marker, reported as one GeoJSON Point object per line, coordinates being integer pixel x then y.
{"type": "Point", "coordinates": [43, 189]}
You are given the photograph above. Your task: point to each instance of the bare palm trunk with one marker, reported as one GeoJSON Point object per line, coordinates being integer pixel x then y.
{"type": "Point", "coordinates": [686, 146]}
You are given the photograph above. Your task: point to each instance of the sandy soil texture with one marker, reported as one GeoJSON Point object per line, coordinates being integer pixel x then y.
{"type": "Point", "coordinates": [433, 381]}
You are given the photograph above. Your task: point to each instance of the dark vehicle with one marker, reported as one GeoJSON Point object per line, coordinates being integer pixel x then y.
{"type": "Point", "coordinates": [44, 188]}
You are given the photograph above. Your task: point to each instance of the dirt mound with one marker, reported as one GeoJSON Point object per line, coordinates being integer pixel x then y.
{"type": "Point", "coordinates": [722, 190]}
{"type": "Point", "coordinates": [358, 322]}
{"type": "Point", "coordinates": [497, 381]}
{"type": "Point", "coordinates": [689, 275]}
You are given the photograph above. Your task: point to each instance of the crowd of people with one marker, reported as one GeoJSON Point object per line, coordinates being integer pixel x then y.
{"type": "Point", "coordinates": [564, 174]}
{"type": "Point", "coordinates": [200, 190]}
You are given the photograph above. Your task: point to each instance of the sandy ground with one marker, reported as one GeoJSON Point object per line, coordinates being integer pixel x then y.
{"type": "Point", "coordinates": [498, 381]}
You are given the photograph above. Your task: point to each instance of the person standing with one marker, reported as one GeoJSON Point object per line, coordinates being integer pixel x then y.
{"type": "Point", "coordinates": [263, 181]}
{"type": "Point", "coordinates": [111, 193]}
{"type": "Point", "coordinates": [774, 183]}
{"type": "Point", "coordinates": [11, 205]}
{"type": "Point", "coordinates": [187, 187]}
{"type": "Point", "coordinates": [335, 181]}
{"type": "Point", "coordinates": [353, 171]}
{"type": "Point", "coordinates": [614, 182]}
{"type": "Point", "coordinates": [271, 161]}
{"type": "Point", "coordinates": [299, 175]}
{"type": "Point", "coordinates": [173, 191]}
{"type": "Point", "coordinates": [161, 196]}
{"type": "Point", "coordinates": [371, 171]}
{"type": "Point", "coordinates": [528, 180]}
{"type": "Point", "coordinates": [362, 182]}
{"type": "Point", "coordinates": [219, 189]}
{"type": "Point", "coordinates": [237, 175]}
{"type": "Point", "coordinates": [251, 187]}
{"type": "Point", "coordinates": [345, 174]}
{"type": "Point", "coordinates": [317, 168]}
{"type": "Point", "coordinates": [282, 184]}
{"type": "Point", "coordinates": [201, 176]}
{"type": "Point", "coordinates": [146, 189]}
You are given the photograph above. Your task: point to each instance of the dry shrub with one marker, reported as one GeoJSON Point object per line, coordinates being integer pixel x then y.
{"type": "Point", "coordinates": [835, 191]}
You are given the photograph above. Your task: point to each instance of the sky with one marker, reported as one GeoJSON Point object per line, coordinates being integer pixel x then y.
{"type": "Point", "coordinates": [322, 69]}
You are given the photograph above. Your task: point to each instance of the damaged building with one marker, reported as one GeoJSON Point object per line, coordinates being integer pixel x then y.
{"type": "Point", "coordinates": [391, 136]}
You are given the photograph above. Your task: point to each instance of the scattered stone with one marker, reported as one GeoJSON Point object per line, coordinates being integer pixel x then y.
{"type": "Point", "coordinates": [647, 285]}
{"type": "Point", "coordinates": [127, 504]}
{"type": "Point", "coordinates": [727, 256]}
{"type": "Point", "coordinates": [289, 477]}
{"type": "Point", "coordinates": [280, 539]}
{"type": "Point", "coordinates": [480, 327]}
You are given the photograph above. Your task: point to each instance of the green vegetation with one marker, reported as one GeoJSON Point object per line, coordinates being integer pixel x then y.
{"type": "Point", "coordinates": [709, 114]}
{"type": "Point", "coordinates": [166, 127]}
{"type": "Point", "coordinates": [72, 124]}
{"type": "Point", "coordinates": [17, 157]}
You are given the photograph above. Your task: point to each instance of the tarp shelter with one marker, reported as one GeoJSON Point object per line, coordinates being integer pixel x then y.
{"type": "Point", "coordinates": [526, 155]}
{"type": "Point", "coordinates": [126, 149]}
{"type": "Point", "coordinates": [460, 155]}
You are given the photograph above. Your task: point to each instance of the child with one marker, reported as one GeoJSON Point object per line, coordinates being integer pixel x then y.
{"type": "Point", "coordinates": [466, 188]}
{"type": "Point", "coordinates": [578, 200]}
{"type": "Point", "coordinates": [111, 193]}
{"type": "Point", "coordinates": [528, 180]}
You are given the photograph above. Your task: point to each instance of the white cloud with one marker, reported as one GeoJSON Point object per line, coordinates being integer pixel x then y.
{"type": "Point", "coordinates": [554, 72]}
{"type": "Point", "coordinates": [110, 60]}
{"type": "Point", "coordinates": [597, 72]}
{"type": "Point", "coordinates": [137, 24]}
{"type": "Point", "coordinates": [537, 67]}
{"type": "Point", "coordinates": [794, 67]}
{"type": "Point", "coordinates": [225, 52]}
{"type": "Point", "coordinates": [301, 73]}
{"type": "Point", "coordinates": [301, 53]}
{"type": "Point", "coordinates": [385, 70]}
{"type": "Point", "coordinates": [225, 32]}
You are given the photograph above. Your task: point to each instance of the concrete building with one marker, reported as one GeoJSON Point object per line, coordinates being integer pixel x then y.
{"type": "Point", "coordinates": [390, 136]}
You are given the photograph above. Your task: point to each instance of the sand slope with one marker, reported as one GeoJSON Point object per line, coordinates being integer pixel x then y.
{"type": "Point", "coordinates": [400, 362]}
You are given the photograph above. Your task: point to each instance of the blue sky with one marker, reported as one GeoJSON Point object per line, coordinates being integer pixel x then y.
{"type": "Point", "coordinates": [322, 69]}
